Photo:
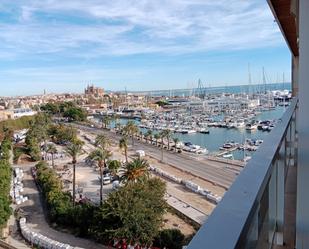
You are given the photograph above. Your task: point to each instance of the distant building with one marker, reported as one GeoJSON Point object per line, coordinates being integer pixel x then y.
{"type": "Point", "coordinates": [6, 114]}
{"type": "Point", "coordinates": [16, 113]}
{"type": "Point", "coordinates": [94, 91]}
{"type": "Point", "coordinates": [21, 112]}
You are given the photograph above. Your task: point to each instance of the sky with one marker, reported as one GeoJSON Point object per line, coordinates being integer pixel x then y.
{"type": "Point", "coordinates": [63, 45]}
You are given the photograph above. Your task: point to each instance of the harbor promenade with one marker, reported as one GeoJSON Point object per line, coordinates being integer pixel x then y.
{"type": "Point", "coordinates": [218, 173]}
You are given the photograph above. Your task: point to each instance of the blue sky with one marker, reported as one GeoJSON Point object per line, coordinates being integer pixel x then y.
{"type": "Point", "coordinates": [62, 45]}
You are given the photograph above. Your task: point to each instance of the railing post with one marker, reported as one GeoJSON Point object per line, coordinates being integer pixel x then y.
{"type": "Point", "coordinates": [281, 168]}
{"type": "Point", "coordinates": [272, 205]}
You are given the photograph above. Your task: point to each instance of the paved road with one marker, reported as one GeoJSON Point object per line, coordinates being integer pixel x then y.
{"type": "Point", "coordinates": [36, 220]}
{"type": "Point", "coordinates": [216, 172]}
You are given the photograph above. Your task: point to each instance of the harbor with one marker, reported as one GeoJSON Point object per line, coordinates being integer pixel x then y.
{"type": "Point", "coordinates": [205, 126]}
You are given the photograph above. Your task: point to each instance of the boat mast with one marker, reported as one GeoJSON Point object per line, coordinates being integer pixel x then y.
{"type": "Point", "coordinates": [264, 80]}
{"type": "Point", "coordinates": [249, 80]}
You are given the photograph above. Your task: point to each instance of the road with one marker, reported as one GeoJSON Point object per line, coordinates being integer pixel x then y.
{"type": "Point", "coordinates": [216, 172]}
{"type": "Point", "coordinates": [36, 221]}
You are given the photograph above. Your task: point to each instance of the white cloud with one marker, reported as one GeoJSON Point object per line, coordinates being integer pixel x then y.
{"type": "Point", "coordinates": [122, 27]}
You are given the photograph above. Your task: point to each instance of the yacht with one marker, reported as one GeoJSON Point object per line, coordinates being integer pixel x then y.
{"type": "Point", "coordinates": [251, 126]}
{"type": "Point", "coordinates": [240, 123]}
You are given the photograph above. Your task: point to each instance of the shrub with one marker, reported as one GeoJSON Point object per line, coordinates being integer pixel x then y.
{"type": "Point", "coordinates": [170, 238]}
{"type": "Point", "coordinates": [5, 180]}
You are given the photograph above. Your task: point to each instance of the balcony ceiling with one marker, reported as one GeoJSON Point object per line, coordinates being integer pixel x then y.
{"type": "Point", "coordinates": [286, 21]}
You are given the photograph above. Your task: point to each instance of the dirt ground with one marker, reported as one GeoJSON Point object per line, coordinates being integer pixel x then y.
{"type": "Point", "coordinates": [172, 221]}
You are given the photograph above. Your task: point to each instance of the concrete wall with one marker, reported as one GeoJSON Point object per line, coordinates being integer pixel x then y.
{"type": "Point", "coordinates": [302, 216]}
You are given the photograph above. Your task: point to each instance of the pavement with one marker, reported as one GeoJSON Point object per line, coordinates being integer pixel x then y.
{"type": "Point", "coordinates": [186, 209]}
{"type": "Point", "coordinates": [34, 213]}
{"type": "Point", "coordinates": [215, 172]}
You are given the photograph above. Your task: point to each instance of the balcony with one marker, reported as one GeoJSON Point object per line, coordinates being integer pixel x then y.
{"type": "Point", "coordinates": [259, 209]}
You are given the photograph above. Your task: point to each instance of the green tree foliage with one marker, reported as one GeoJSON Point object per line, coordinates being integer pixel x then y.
{"type": "Point", "coordinates": [59, 203]}
{"type": "Point", "coordinates": [123, 145]}
{"type": "Point", "coordinates": [168, 135]}
{"type": "Point", "coordinates": [136, 170]}
{"type": "Point", "coordinates": [74, 149]}
{"type": "Point", "coordinates": [62, 134]}
{"type": "Point", "coordinates": [33, 148]}
{"type": "Point", "coordinates": [51, 108]}
{"type": "Point", "coordinates": [5, 179]}
{"type": "Point", "coordinates": [68, 110]}
{"type": "Point", "coordinates": [170, 238]}
{"type": "Point", "coordinates": [102, 141]}
{"type": "Point", "coordinates": [61, 211]}
{"type": "Point", "coordinates": [162, 103]}
{"type": "Point", "coordinates": [100, 156]}
{"type": "Point", "coordinates": [51, 149]}
{"type": "Point", "coordinates": [113, 166]}
{"type": "Point", "coordinates": [37, 134]}
{"type": "Point", "coordinates": [134, 213]}
{"type": "Point", "coordinates": [16, 124]}
{"type": "Point", "coordinates": [130, 129]}
{"type": "Point", "coordinates": [75, 114]}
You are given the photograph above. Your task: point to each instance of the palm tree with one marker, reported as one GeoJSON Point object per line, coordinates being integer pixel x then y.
{"type": "Point", "coordinates": [114, 119]}
{"type": "Point", "coordinates": [102, 141]}
{"type": "Point", "coordinates": [123, 144]}
{"type": "Point", "coordinates": [117, 126]}
{"type": "Point", "coordinates": [106, 120]}
{"type": "Point", "coordinates": [74, 149]}
{"type": "Point", "coordinates": [113, 166]}
{"type": "Point", "coordinates": [149, 134]}
{"type": "Point", "coordinates": [131, 129]}
{"type": "Point", "coordinates": [136, 170]}
{"type": "Point", "coordinates": [162, 136]}
{"type": "Point", "coordinates": [176, 141]}
{"type": "Point", "coordinates": [100, 156]}
{"type": "Point", "coordinates": [157, 137]}
{"type": "Point", "coordinates": [51, 149]}
{"type": "Point", "coordinates": [167, 134]}
{"type": "Point", "coordinates": [146, 137]}
{"type": "Point", "coordinates": [141, 135]}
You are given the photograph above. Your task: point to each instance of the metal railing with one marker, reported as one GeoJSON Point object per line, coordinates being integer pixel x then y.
{"type": "Point", "coordinates": [251, 214]}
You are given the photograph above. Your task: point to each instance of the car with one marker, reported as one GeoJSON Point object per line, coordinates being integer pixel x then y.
{"type": "Point", "coordinates": [106, 180]}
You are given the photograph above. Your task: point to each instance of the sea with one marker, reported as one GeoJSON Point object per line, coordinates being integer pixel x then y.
{"type": "Point", "coordinates": [218, 136]}
{"type": "Point", "coordinates": [252, 88]}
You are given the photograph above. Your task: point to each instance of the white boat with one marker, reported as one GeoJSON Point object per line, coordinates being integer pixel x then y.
{"type": "Point", "coordinates": [228, 156]}
{"type": "Point", "coordinates": [251, 126]}
{"type": "Point", "coordinates": [240, 123]}
{"type": "Point", "coordinates": [188, 131]}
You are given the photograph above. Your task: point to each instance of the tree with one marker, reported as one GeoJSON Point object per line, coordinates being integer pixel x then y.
{"type": "Point", "coordinates": [167, 134]}
{"type": "Point", "coordinates": [131, 129]}
{"type": "Point", "coordinates": [176, 141]}
{"type": "Point", "coordinates": [134, 213]}
{"type": "Point", "coordinates": [75, 114]}
{"type": "Point", "coordinates": [51, 149]}
{"type": "Point", "coordinates": [106, 120]}
{"type": "Point", "coordinates": [74, 149]}
{"type": "Point", "coordinates": [100, 156]}
{"type": "Point", "coordinates": [157, 137]}
{"type": "Point", "coordinates": [162, 144]}
{"type": "Point", "coordinates": [123, 145]}
{"type": "Point", "coordinates": [170, 238]}
{"type": "Point", "coordinates": [113, 166]}
{"type": "Point", "coordinates": [137, 170]}
{"type": "Point", "coordinates": [61, 134]}
{"type": "Point", "coordinates": [5, 179]}
{"type": "Point", "coordinates": [141, 136]}
{"type": "Point", "coordinates": [149, 134]}
{"type": "Point", "coordinates": [102, 141]}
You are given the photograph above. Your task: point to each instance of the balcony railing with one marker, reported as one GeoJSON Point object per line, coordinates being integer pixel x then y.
{"type": "Point", "coordinates": [252, 212]}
